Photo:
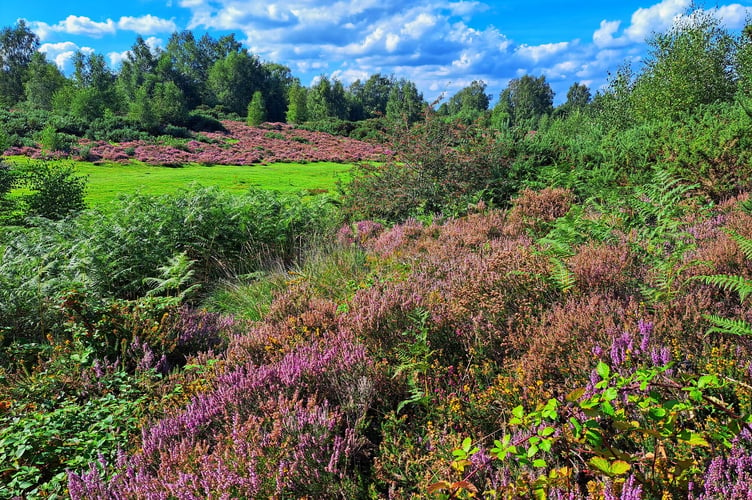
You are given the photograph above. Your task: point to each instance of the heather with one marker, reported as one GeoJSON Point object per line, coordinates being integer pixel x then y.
{"type": "Point", "coordinates": [467, 357]}
{"type": "Point", "coordinates": [236, 144]}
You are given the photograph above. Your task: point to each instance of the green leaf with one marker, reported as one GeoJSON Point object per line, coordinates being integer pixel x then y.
{"type": "Point", "coordinates": [546, 445]}
{"type": "Point", "coordinates": [610, 394]}
{"type": "Point", "coordinates": [576, 425]}
{"type": "Point", "coordinates": [546, 432]}
{"type": "Point", "coordinates": [575, 395]}
{"type": "Point", "coordinates": [608, 409]}
{"type": "Point", "coordinates": [518, 411]}
{"type": "Point", "coordinates": [539, 463]}
{"type": "Point", "coordinates": [706, 380]}
{"type": "Point", "coordinates": [693, 438]}
{"type": "Point", "coordinates": [601, 464]}
{"type": "Point", "coordinates": [466, 443]}
{"type": "Point", "coordinates": [619, 467]}
{"type": "Point", "coordinates": [603, 370]}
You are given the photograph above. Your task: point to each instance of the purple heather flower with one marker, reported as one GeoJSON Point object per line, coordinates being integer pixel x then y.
{"type": "Point", "coordinates": [645, 328]}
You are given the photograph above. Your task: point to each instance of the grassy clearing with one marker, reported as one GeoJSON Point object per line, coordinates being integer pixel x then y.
{"type": "Point", "coordinates": [108, 181]}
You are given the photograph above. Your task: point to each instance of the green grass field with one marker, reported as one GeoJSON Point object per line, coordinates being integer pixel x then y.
{"type": "Point", "coordinates": [107, 182]}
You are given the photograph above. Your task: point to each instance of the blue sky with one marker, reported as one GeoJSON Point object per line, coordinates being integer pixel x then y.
{"type": "Point", "coordinates": [441, 45]}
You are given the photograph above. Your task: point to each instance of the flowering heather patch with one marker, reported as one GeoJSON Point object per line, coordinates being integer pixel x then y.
{"type": "Point", "coordinates": [285, 427]}
{"type": "Point", "coordinates": [240, 145]}
{"type": "Point", "coordinates": [590, 390]}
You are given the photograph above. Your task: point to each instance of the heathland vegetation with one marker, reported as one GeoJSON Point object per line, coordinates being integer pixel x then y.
{"type": "Point", "coordinates": [526, 301]}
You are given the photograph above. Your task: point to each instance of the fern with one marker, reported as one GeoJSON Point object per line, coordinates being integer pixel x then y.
{"type": "Point", "coordinates": [414, 356]}
{"type": "Point", "coordinates": [736, 284]}
{"type": "Point", "coordinates": [176, 279]}
{"type": "Point", "coordinates": [561, 275]}
{"type": "Point", "coordinates": [728, 326]}
{"type": "Point", "coordinates": [744, 244]}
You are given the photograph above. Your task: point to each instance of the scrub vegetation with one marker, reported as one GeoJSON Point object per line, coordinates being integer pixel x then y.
{"type": "Point", "coordinates": [526, 301]}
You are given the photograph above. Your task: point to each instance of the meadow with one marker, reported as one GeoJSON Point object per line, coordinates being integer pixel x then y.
{"type": "Point", "coordinates": [106, 182]}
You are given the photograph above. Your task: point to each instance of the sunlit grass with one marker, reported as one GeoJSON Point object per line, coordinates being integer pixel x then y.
{"type": "Point", "coordinates": [108, 181]}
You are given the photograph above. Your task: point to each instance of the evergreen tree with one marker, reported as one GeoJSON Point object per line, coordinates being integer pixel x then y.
{"type": "Point", "coordinates": [256, 110]}
{"type": "Point", "coordinates": [296, 110]}
{"type": "Point", "coordinates": [405, 103]}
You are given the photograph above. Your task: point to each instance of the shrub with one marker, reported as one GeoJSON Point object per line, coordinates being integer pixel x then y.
{"type": "Point", "coordinates": [56, 191]}
{"type": "Point", "coordinates": [202, 122]}
{"type": "Point", "coordinates": [437, 169]}
{"type": "Point", "coordinates": [51, 140]}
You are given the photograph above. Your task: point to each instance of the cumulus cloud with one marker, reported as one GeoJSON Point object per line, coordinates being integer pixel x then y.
{"type": "Point", "coordinates": [85, 26]}
{"type": "Point", "coordinates": [644, 22]}
{"type": "Point", "coordinates": [537, 53]}
{"type": "Point", "coordinates": [62, 53]}
{"type": "Point", "coordinates": [147, 25]}
{"type": "Point", "coordinates": [75, 25]}
{"type": "Point", "coordinates": [659, 17]}
{"type": "Point", "coordinates": [734, 16]}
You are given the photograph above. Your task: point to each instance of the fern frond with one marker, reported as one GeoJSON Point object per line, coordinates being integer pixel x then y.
{"type": "Point", "coordinates": [728, 326]}
{"type": "Point", "coordinates": [736, 284]}
{"type": "Point", "coordinates": [555, 247]}
{"type": "Point", "coordinates": [561, 276]}
{"type": "Point", "coordinates": [745, 244]}
{"type": "Point", "coordinates": [176, 277]}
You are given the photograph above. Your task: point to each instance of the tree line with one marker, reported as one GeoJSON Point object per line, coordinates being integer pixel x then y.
{"type": "Point", "coordinates": [157, 86]}
{"type": "Point", "coordinates": [696, 62]}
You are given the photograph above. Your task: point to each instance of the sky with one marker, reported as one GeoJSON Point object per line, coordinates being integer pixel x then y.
{"type": "Point", "coordinates": [441, 45]}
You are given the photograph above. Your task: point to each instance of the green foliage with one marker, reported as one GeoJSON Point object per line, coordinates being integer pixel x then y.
{"type": "Point", "coordinates": [234, 79]}
{"type": "Point", "coordinates": [256, 110]}
{"type": "Point", "coordinates": [56, 191]}
{"type": "Point", "coordinates": [17, 47]}
{"type": "Point", "coordinates": [44, 79]}
{"type": "Point", "coordinates": [405, 103]}
{"type": "Point", "coordinates": [176, 280]}
{"type": "Point", "coordinates": [468, 104]}
{"type": "Point", "coordinates": [296, 110]}
{"type": "Point", "coordinates": [38, 446]}
{"type": "Point", "coordinates": [415, 360]}
{"type": "Point", "coordinates": [523, 103]}
{"type": "Point", "coordinates": [439, 169]}
{"type": "Point", "coordinates": [51, 140]}
{"type": "Point", "coordinates": [690, 65]}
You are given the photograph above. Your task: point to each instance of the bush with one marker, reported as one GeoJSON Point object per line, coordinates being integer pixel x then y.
{"type": "Point", "coordinates": [202, 122]}
{"type": "Point", "coordinates": [438, 169]}
{"type": "Point", "coordinates": [56, 191]}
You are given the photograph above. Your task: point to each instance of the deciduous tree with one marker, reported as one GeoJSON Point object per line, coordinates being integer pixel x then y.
{"type": "Point", "coordinates": [17, 47]}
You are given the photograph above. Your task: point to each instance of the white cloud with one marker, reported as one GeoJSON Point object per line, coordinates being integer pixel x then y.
{"type": "Point", "coordinates": [734, 16]}
{"type": "Point", "coordinates": [117, 58]}
{"type": "Point", "coordinates": [62, 53]}
{"type": "Point", "coordinates": [147, 25]}
{"type": "Point", "coordinates": [537, 53]}
{"type": "Point", "coordinates": [604, 36]}
{"type": "Point", "coordinates": [81, 25]}
{"type": "Point", "coordinates": [74, 25]}
{"type": "Point", "coordinates": [467, 9]}
{"type": "Point", "coordinates": [657, 18]}
{"type": "Point", "coordinates": [420, 25]}
{"type": "Point", "coordinates": [392, 41]}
